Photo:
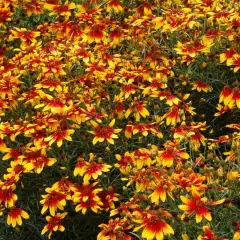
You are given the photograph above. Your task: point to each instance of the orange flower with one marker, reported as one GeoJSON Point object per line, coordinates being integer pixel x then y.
{"type": "Point", "coordinates": [85, 197]}
{"type": "Point", "coordinates": [153, 225]}
{"type": "Point", "coordinates": [107, 133]}
{"type": "Point", "coordinates": [15, 216]}
{"type": "Point", "coordinates": [236, 96]}
{"type": "Point", "coordinates": [172, 116]}
{"type": "Point", "coordinates": [54, 224]}
{"type": "Point", "coordinates": [24, 35]}
{"type": "Point", "coordinates": [236, 235]}
{"type": "Point", "coordinates": [115, 5]}
{"type": "Point", "coordinates": [7, 196]}
{"type": "Point", "coordinates": [90, 169]}
{"type": "Point", "coordinates": [59, 135]}
{"type": "Point", "coordinates": [33, 7]}
{"type": "Point", "coordinates": [94, 33]}
{"type": "Point", "coordinates": [201, 86]}
{"type": "Point", "coordinates": [223, 109]}
{"type": "Point", "coordinates": [115, 36]}
{"type": "Point", "coordinates": [138, 107]}
{"type": "Point", "coordinates": [5, 14]}
{"type": "Point", "coordinates": [235, 61]}
{"type": "Point", "coordinates": [60, 9]}
{"type": "Point", "coordinates": [19, 166]}
{"type": "Point", "coordinates": [124, 162]}
{"type": "Point", "coordinates": [163, 188]}
{"type": "Point", "coordinates": [53, 200]}
{"type": "Point", "coordinates": [227, 55]}
{"type": "Point", "coordinates": [115, 229]}
{"type": "Point", "coordinates": [171, 153]}
{"type": "Point", "coordinates": [209, 235]}
{"type": "Point", "coordinates": [38, 160]}
{"type": "Point", "coordinates": [226, 95]}
{"type": "Point", "coordinates": [198, 205]}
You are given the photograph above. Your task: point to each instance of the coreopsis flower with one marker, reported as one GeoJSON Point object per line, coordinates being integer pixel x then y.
{"type": "Point", "coordinates": [53, 200]}
{"type": "Point", "coordinates": [223, 109]}
{"type": "Point", "coordinates": [170, 98]}
{"type": "Point", "coordinates": [15, 153]}
{"type": "Point", "coordinates": [95, 33]}
{"type": "Point", "coordinates": [92, 113]}
{"type": "Point", "coordinates": [236, 96]}
{"type": "Point", "coordinates": [126, 208]}
{"type": "Point", "coordinates": [201, 86]}
{"type": "Point", "coordinates": [59, 135]}
{"type": "Point", "coordinates": [115, 6]}
{"type": "Point", "coordinates": [107, 133]}
{"type": "Point", "coordinates": [90, 169]}
{"type": "Point", "coordinates": [3, 146]}
{"type": "Point", "coordinates": [172, 116]}
{"type": "Point", "coordinates": [235, 62]}
{"type": "Point", "coordinates": [54, 224]}
{"type": "Point", "coordinates": [7, 196]}
{"type": "Point", "coordinates": [196, 139]}
{"type": "Point", "coordinates": [198, 205]}
{"type": "Point", "coordinates": [236, 235]}
{"type": "Point", "coordinates": [142, 157]}
{"type": "Point", "coordinates": [166, 157]}
{"type": "Point", "coordinates": [226, 95]}
{"type": "Point", "coordinates": [187, 179]}
{"type": "Point", "coordinates": [38, 160]}
{"type": "Point", "coordinates": [115, 229]}
{"type": "Point", "coordinates": [26, 36]}
{"type": "Point", "coordinates": [64, 186]}
{"type": "Point", "coordinates": [53, 66]}
{"type": "Point", "coordinates": [19, 166]}
{"type": "Point", "coordinates": [15, 216]}
{"type": "Point", "coordinates": [108, 197]}
{"type": "Point", "coordinates": [209, 235]}
{"type": "Point", "coordinates": [63, 10]}
{"type": "Point", "coordinates": [163, 188]}
{"type": "Point", "coordinates": [86, 196]}
{"type": "Point", "coordinates": [33, 7]}
{"type": "Point", "coordinates": [138, 109]}
{"type": "Point", "coordinates": [115, 36]}
{"type": "Point", "coordinates": [154, 227]}
{"type": "Point", "coordinates": [5, 14]}
{"type": "Point", "coordinates": [124, 162]}
{"type": "Point", "coordinates": [227, 56]}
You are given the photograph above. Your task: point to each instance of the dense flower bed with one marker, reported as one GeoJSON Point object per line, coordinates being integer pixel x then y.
{"type": "Point", "coordinates": [119, 119]}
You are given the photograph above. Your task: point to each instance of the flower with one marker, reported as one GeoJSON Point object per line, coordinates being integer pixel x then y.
{"type": "Point", "coordinates": [201, 86]}
{"type": "Point", "coordinates": [59, 135]}
{"type": "Point", "coordinates": [54, 224]}
{"type": "Point", "coordinates": [114, 229]}
{"type": "Point", "coordinates": [198, 205]}
{"type": "Point", "coordinates": [153, 225]}
{"type": "Point", "coordinates": [15, 216]}
{"type": "Point", "coordinates": [171, 153]}
{"type": "Point", "coordinates": [53, 200]}
{"type": "Point", "coordinates": [26, 36]}
{"type": "Point", "coordinates": [90, 169]}
{"type": "Point", "coordinates": [209, 235]}
{"type": "Point", "coordinates": [7, 196]}
{"type": "Point", "coordinates": [236, 235]}
{"type": "Point", "coordinates": [226, 95]}
{"type": "Point", "coordinates": [115, 5]}
{"type": "Point", "coordinates": [138, 107]}
{"type": "Point", "coordinates": [86, 196]}
{"type": "Point", "coordinates": [107, 133]}
{"type": "Point", "coordinates": [60, 9]}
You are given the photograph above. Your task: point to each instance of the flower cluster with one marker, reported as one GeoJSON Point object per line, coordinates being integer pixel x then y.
{"type": "Point", "coordinates": [122, 115]}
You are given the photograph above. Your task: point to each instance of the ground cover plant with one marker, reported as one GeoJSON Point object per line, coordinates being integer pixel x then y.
{"type": "Point", "coordinates": [119, 119]}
